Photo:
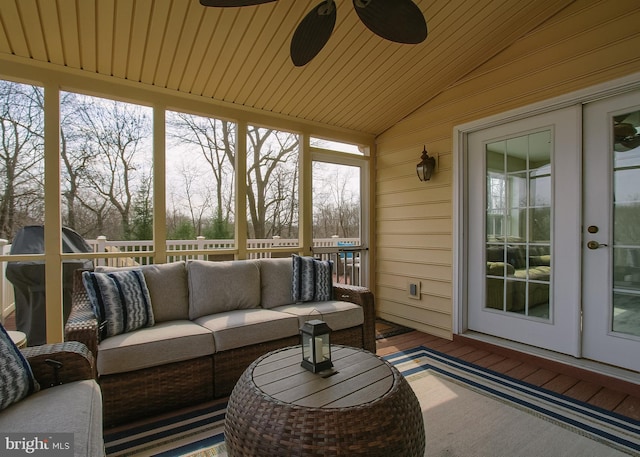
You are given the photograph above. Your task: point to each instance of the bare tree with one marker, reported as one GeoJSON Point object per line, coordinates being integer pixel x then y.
{"type": "Point", "coordinates": [21, 156]}
{"type": "Point", "coordinates": [114, 142]}
{"type": "Point", "coordinates": [336, 200]}
{"type": "Point", "coordinates": [214, 139]}
{"type": "Point", "coordinates": [272, 174]}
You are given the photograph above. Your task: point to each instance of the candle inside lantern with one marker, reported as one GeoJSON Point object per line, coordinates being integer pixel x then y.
{"type": "Point", "coordinates": [307, 349]}
{"type": "Point", "coordinates": [319, 355]}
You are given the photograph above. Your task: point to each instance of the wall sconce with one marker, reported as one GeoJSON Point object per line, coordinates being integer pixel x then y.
{"type": "Point", "coordinates": [426, 166]}
{"type": "Point", "coordinates": [316, 347]}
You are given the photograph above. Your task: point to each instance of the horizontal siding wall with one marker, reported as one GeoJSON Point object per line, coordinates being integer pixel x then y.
{"type": "Point", "coordinates": [590, 42]}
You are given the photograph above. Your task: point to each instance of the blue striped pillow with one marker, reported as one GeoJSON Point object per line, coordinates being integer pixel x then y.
{"type": "Point", "coordinates": [16, 378]}
{"type": "Point", "coordinates": [312, 279]}
{"type": "Point", "coordinates": [120, 301]}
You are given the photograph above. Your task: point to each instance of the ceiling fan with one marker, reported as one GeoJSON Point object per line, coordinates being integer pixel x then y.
{"type": "Point", "coordinates": [394, 20]}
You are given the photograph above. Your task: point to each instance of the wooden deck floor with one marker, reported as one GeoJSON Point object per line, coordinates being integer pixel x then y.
{"type": "Point", "coordinates": [605, 392]}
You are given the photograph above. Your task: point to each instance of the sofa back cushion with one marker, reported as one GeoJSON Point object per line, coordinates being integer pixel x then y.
{"type": "Point", "coordinates": [215, 287]}
{"type": "Point", "coordinates": [275, 281]}
{"type": "Point", "coordinates": [168, 288]}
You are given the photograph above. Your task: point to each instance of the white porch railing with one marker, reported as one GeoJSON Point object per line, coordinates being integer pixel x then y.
{"type": "Point", "coordinates": [7, 306]}
{"type": "Point", "coordinates": [345, 253]}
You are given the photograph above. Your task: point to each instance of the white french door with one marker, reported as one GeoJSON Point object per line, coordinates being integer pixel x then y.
{"type": "Point", "coordinates": [611, 247]}
{"type": "Point", "coordinates": [553, 231]}
{"type": "Point", "coordinates": [524, 216]}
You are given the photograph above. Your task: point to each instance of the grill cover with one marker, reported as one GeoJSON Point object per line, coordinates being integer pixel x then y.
{"type": "Point", "coordinates": [28, 279]}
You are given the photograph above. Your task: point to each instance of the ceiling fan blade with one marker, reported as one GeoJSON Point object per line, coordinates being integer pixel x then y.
{"type": "Point", "coordinates": [313, 33]}
{"type": "Point", "coordinates": [231, 3]}
{"type": "Point", "coordinates": [394, 20]}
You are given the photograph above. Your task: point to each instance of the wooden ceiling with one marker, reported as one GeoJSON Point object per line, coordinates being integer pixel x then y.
{"type": "Point", "coordinates": [241, 55]}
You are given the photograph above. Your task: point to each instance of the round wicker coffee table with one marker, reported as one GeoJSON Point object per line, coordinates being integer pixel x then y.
{"type": "Point", "coordinates": [367, 408]}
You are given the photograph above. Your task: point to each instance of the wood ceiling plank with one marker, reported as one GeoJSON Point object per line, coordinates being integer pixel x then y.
{"type": "Point", "coordinates": [192, 24]}
{"type": "Point", "coordinates": [68, 17]}
{"type": "Point", "coordinates": [284, 89]}
{"type": "Point", "coordinates": [275, 33]}
{"type": "Point", "coordinates": [253, 46]}
{"type": "Point", "coordinates": [12, 27]}
{"type": "Point", "coordinates": [5, 47]}
{"type": "Point", "coordinates": [139, 38]}
{"type": "Point", "coordinates": [418, 75]}
{"type": "Point", "coordinates": [157, 27]}
{"type": "Point", "coordinates": [228, 51]}
{"type": "Point", "coordinates": [222, 22]}
{"type": "Point", "coordinates": [199, 48]}
{"type": "Point", "coordinates": [271, 65]}
{"type": "Point", "coordinates": [388, 82]}
{"type": "Point", "coordinates": [474, 47]}
{"type": "Point", "coordinates": [254, 42]}
{"type": "Point", "coordinates": [172, 35]}
{"type": "Point", "coordinates": [122, 37]}
{"type": "Point", "coordinates": [32, 27]}
{"type": "Point", "coordinates": [105, 12]}
{"type": "Point", "coordinates": [342, 50]}
{"type": "Point", "coordinates": [51, 31]}
{"type": "Point", "coordinates": [87, 36]}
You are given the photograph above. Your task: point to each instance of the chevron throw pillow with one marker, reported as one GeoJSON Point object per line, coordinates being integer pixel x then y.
{"type": "Point", "coordinates": [16, 377]}
{"type": "Point", "coordinates": [312, 279]}
{"type": "Point", "coordinates": [120, 300]}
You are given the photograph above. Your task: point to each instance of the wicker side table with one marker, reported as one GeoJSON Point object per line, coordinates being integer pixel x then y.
{"type": "Point", "coordinates": [278, 408]}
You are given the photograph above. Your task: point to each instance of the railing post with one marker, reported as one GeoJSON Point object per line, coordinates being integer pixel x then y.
{"type": "Point", "coordinates": [200, 243]}
{"type": "Point", "coordinates": [101, 246]}
{"type": "Point", "coordinates": [3, 284]}
{"type": "Point", "coordinates": [7, 296]}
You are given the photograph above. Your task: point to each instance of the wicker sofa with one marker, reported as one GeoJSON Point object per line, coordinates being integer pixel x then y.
{"type": "Point", "coordinates": [68, 401]}
{"type": "Point", "coordinates": [212, 319]}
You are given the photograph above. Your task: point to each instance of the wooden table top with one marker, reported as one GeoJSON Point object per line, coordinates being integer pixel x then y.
{"type": "Point", "coordinates": [360, 378]}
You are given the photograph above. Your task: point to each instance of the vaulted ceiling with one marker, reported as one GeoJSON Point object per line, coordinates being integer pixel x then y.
{"type": "Point", "coordinates": [241, 55]}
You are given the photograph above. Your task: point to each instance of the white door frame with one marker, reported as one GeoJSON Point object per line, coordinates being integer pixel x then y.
{"type": "Point", "coordinates": [460, 133]}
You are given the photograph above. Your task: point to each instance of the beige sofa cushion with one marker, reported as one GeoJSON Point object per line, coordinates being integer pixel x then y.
{"type": "Point", "coordinates": [239, 328]}
{"type": "Point", "coordinates": [215, 287]}
{"type": "Point", "coordinates": [338, 315]}
{"type": "Point", "coordinates": [69, 408]}
{"type": "Point", "coordinates": [163, 343]}
{"type": "Point", "coordinates": [168, 288]}
{"type": "Point", "coordinates": [275, 281]}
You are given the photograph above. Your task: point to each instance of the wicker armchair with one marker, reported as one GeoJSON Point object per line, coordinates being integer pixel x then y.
{"type": "Point", "coordinates": [69, 400]}
{"type": "Point", "coordinates": [60, 363]}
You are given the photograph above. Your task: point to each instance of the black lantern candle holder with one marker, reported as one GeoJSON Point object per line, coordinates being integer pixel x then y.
{"type": "Point", "coordinates": [316, 346]}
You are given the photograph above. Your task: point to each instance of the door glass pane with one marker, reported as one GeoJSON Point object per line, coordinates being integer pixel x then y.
{"type": "Point", "coordinates": [626, 227]}
{"type": "Point", "coordinates": [518, 225]}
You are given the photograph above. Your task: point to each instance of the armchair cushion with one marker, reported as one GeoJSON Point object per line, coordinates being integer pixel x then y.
{"type": "Point", "coordinates": [120, 300]}
{"type": "Point", "coordinates": [16, 378]}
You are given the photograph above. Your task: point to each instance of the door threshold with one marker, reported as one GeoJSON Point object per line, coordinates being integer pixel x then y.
{"type": "Point", "coordinates": [583, 364]}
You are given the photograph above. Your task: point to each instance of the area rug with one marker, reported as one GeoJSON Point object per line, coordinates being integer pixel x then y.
{"type": "Point", "coordinates": [386, 329]}
{"type": "Point", "coordinates": [469, 411]}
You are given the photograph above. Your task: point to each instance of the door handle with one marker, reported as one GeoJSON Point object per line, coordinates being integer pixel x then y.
{"type": "Point", "coordinates": [595, 245]}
